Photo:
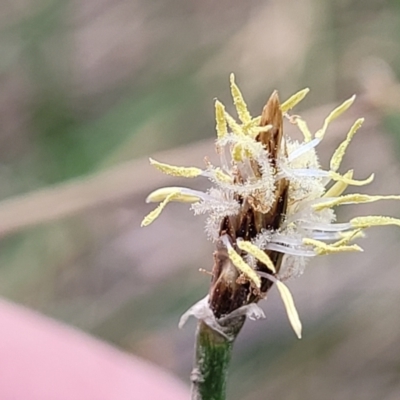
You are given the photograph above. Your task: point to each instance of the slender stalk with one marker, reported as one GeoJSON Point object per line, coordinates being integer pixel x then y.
{"type": "Point", "coordinates": [212, 357]}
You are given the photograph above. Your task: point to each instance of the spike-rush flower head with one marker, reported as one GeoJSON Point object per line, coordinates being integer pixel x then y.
{"type": "Point", "coordinates": [271, 207]}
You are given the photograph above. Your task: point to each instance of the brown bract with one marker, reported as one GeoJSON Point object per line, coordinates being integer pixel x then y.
{"type": "Point", "coordinates": [229, 289]}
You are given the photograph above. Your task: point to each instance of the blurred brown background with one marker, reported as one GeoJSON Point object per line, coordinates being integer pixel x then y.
{"type": "Point", "coordinates": [90, 89]}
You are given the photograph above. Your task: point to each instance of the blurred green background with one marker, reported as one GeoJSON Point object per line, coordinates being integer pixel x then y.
{"type": "Point", "coordinates": [90, 89]}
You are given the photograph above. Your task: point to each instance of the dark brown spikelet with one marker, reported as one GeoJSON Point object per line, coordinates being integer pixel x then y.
{"type": "Point", "coordinates": [230, 291]}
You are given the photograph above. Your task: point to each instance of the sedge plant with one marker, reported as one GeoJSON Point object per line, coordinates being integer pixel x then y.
{"type": "Point", "coordinates": [270, 209]}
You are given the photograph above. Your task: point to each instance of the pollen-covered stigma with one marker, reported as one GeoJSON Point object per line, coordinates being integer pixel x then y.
{"type": "Point", "coordinates": [271, 206]}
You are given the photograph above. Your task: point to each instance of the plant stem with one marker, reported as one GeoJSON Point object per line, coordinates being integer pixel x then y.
{"type": "Point", "coordinates": [213, 354]}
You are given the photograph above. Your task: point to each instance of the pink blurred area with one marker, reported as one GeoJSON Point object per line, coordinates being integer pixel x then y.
{"type": "Point", "coordinates": [41, 359]}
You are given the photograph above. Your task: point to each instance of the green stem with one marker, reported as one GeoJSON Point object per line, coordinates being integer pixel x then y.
{"type": "Point", "coordinates": [213, 354]}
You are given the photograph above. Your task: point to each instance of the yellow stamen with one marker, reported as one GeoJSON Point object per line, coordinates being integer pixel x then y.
{"type": "Point", "coordinates": [149, 218]}
{"type": "Point", "coordinates": [333, 115]}
{"type": "Point", "coordinates": [339, 187]}
{"type": "Point", "coordinates": [162, 193]}
{"type": "Point", "coordinates": [258, 129]}
{"type": "Point", "coordinates": [354, 198]}
{"type": "Point", "coordinates": [239, 102]}
{"type": "Point", "coordinates": [254, 122]}
{"type": "Point", "coordinates": [373, 220]}
{"type": "Point", "coordinates": [237, 152]}
{"type": "Point", "coordinates": [349, 181]}
{"type": "Point", "coordinates": [294, 100]}
{"type": "Point", "coordinates": [302, 125]}
{"type": "Point", "coordinates": [257, 253]}
{"type": "Point", "coordinates": [243, 267]}
{"type": "Point", "coordinates": [290, 307]}
{"type": "Point", "coordinates": [222, 129]}
{"type": "Point", "coordinates": [337, 157]}
{"type": "Point", "coordinates": [221, 176]}
{"type": "Point", "coordinates": [183, 172]}
{"type": "Point", "coordinates": [348, 237]}
{"type": "Point", "coordinates": [322, 248]}
{"type": "Point", "coordinates": [235, 127]}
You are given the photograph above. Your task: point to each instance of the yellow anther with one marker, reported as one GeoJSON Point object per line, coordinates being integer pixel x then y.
{"type": "Point", "coordinates": [162, 193]}
{"type": "Point", "coordinates": [221, 176]}
{"type": "Point", "coordinates": [237, 152]}
{"type": "Point", "coordinates": [290, 308]}
{"type": "Point", "coordinates": [337, 177]}
{"type": "Point", "coordinates": [333, 115]}
{"type": "Point", "coordinates": [243, 267]}
{"type": "Point", "coordinates": [255, 121]}
{"type": "Point", "coordinates": [149, 218]}
{"type": "Point", "coordinates": [373, 220]}
{"type": "Point", "coordinates": [321, 248]}
{"type": "Point", "coordinates": [258, 129]}
{"type": "Point", "coordinates": [354, 198]}
{"type": "Point", "coordinates": [337, 157]}
{"type": "Point", "coordinates": [339, 187]}
{"type": "Point", "coordinates": [302, 125]}
{"type": "Point", "coordinates": [183, 172]}
{"type": "Point", "coordinates": [347, 237]}
{"type": "Point", "coordinates": [253, 128]}
{"type": "Point", "coordinates": [222, 129]}
{"type": "Point", "coordinates": [241, 107]}
{"type": "Point", "coordinates": [233, 125]}
{"type": "Point", "coordinates": [294, 100]}
{"type": "Point", "coordinates": [257, 253]}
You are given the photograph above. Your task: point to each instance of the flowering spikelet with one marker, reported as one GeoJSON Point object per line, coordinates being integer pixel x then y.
{"type": "Point", "coordinates": [271, 207]}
